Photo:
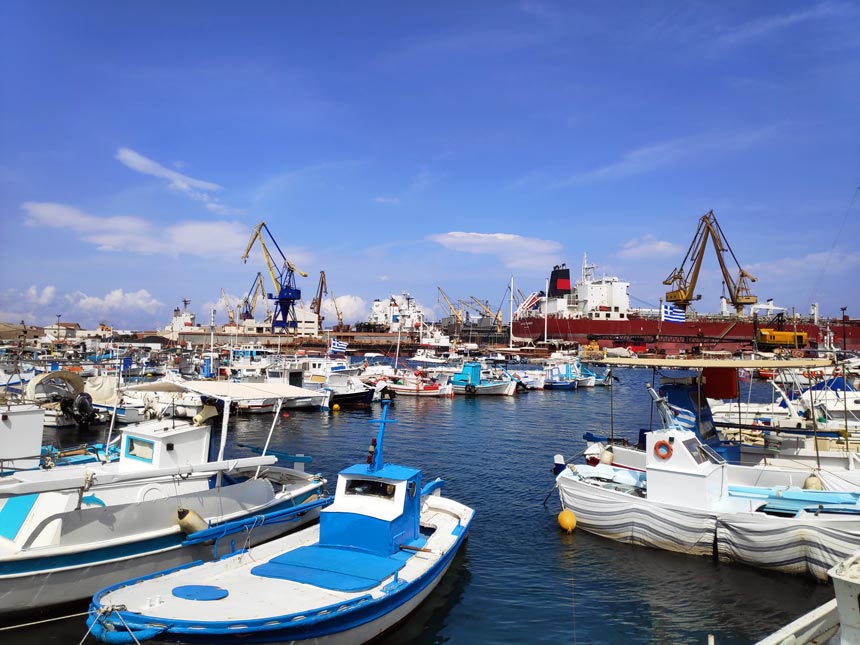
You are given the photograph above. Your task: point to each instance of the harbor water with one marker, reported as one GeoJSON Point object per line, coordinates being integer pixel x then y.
{"type": "Point", "coordinates": [520, 578]}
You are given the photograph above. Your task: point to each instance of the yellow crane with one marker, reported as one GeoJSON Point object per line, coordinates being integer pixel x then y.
{"type": "Point", "coordinates": [228, 307]}
{"type": "Point", "coordinates": [456, 313]}
{"type": "Point", "coordinates": [340, 326]}
{"type": "Point", "coordinates": [485, 310]}
{"type": "Point", "coordinates": [249, 303]}
{"type": "Point", "coordinates": [286, 292]}
{"type": "Point", "coordinates": [683, 281]}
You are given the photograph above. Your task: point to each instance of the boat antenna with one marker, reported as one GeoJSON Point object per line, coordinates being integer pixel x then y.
{"type": "Point", "coordinates": [375, 457]}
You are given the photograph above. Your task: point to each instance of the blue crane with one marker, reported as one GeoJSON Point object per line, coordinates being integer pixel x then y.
{"type": "Point", "coordinates": [284, 278]}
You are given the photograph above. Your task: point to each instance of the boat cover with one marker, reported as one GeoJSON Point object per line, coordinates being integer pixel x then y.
{"type": "Point", "coordinates": [332, 568]}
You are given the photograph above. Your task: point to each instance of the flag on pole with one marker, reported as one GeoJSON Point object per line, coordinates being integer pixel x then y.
{"type": "Point", "coordinates": [338, 346]}
{"type": "Point", "coordinates": [671, 313]}
{"type": "Point", "coordinates": [744, 374]}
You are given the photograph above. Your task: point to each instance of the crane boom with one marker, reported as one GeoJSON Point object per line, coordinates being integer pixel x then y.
{"type": "Point", "coordinates": [249, 303]}
{"type": "Point", "coordinates": [286, 292]}
{"type": "Point", "coordinates": [228, 306]}
{"type": "Point", "coordinates": [683, 282]}
{"type": "Point", "coordinates": [456, 313]}
{"type": "Point", "coordinates": [485, 309]}
{"type": "Point", "coordinates": [316, 303]}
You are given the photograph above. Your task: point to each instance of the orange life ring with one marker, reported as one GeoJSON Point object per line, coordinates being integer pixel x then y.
{"type": "Point", "coordinates": [814, 374]}
{"type": "Point", "coordinates": [663, 449]}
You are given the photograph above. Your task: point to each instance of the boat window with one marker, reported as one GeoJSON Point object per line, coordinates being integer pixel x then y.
{"type": "Point", "coordinates": [370, 487]}
{"type": "Point", "coordinates": [139, 449]}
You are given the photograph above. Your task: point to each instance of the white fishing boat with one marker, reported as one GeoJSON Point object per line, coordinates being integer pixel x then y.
{"type": "Point", "coordinates": [683, 502]}
{"type": "Point", "coordinates": [376, 554]}
{"type": "Point", "coordinates": [68, 531]}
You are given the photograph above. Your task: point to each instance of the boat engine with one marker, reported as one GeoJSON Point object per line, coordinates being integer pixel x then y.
{"type": "Point", "coordinates": [80, 408]}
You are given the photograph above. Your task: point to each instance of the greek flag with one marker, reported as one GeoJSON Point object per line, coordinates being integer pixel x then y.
{"type": "Point", "coordinates": [671, 313]}
{"type": "Point", "coordinates": [338, 346]}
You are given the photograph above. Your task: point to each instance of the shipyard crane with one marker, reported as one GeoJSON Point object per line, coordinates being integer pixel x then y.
{"type": "Point", "coordinates": [316, 303]}
{"type": "Point", "coordinates": [340, 326]}
{"type": "Point", "coordinates": [683, 281]}
{"type": "Point", "coordinates": [485, 310]}
{"type": "Point", "coordinates": [249, 303]}
{"type": "Point", "coordinates": [284, 279]}
{"type": "Point", "coordinates": [457, 314]}
{"type": "Point", "coordinates": [228, 307]}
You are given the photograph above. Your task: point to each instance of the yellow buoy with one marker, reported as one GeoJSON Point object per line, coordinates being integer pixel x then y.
{"type": "Point", "coordinates": [335, 407]}
{"type": "Point", "coordinates": [567, 520]}
{"type": "Point", "coordinates": [813, 483]}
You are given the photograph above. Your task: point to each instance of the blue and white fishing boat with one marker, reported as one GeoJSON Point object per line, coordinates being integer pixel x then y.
{"type": "Point", "coordinates": [377, 552]}
{"type": "Point", "coordinates": [471, 380]}
{"type": "Point", "coordinates": [560, 377]}
{"type": "Point", "coordinates": [68, 531]}
{"type": "Point", "coordinates": [683, 502]}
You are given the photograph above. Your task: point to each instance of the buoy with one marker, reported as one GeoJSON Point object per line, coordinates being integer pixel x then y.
{"type": "Point", "coordinates": [190, 521]}
{"type": "Point", "coordinates": [286, 415]}
{"type": "Point", "coordinates": [813, 483]}
{"type": "Point", "coordinates": [335, 407]}
{"type": "Point", "coordinates": [567, 520]}
{"type": "Point", "coordinates": [607, 457]}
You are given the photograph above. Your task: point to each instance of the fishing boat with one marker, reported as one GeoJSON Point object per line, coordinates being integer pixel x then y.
{"type": "Point", "coordinates": [471, 380]}
{"type": "Point", "coordinates": [68, 531]}
{"type": "Point", "coordinates": [414, 383]}
{"type": "Point", "coordinates": [836, 621]}
{"type": "Point", "coordinates": [375, 555]}
{"type": "Point", "coordinates": [683, 501]}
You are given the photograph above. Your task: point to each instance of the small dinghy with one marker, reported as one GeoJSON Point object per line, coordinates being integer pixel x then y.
{"type": "Point", "coordinates": [376, 554]}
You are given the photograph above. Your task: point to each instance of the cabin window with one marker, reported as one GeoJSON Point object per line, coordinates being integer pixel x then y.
{"type": "Point", "coordinates": [370, 487]}
{"type": "Point", "coordinates": [139, 449]}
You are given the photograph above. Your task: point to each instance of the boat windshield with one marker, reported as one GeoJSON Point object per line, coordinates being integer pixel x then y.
{"type": "Point", "coordinates": [370, 487]}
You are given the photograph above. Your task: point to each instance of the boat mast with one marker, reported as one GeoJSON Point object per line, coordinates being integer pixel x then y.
{"type": "Point", "coordinates": [511, 326]}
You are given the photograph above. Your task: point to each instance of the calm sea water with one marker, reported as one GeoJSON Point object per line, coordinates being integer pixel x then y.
{"type": "Point", "coordinates": [520, 579]}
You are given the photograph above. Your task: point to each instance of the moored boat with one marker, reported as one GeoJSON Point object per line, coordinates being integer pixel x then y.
{"type": "Point", "coordinates": [377, 552]}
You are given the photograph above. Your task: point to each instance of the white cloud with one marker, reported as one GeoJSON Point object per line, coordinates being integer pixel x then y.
{"type": "Point", "coordinates": [136, 235]}
{"type": "Point", "coordinates": [649, 247]}
{"type": "Point", "coordinates": [146, 166]}
{"type": "Point", "coordinates": [352, 309]}
{"type": "Point", "coordinates": [515, 251]}
{"type": "Point", "coordinates": [386, 200]}
{"type": "Point", "coordinates": [196, 189]}
{"type": "Point", "coordinates": [43, 297]}
{"type": "Point", "coordinates": [114, 301]}
{"type": "Point", "coordinates": [766, 26]}
{"type": "Point", "coordinates": [668, 153]}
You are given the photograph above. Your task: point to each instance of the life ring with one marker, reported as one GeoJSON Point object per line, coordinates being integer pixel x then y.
{"type": "Point", "coordinates": [471, 389]}
{"type": "Point", "coordinates": [813, 374]}
{"type": "Point", "coordinates": [663, 449]}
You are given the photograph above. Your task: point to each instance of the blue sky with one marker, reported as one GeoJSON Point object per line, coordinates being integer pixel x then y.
{"type": "Point", "coordinates": [410, 146]}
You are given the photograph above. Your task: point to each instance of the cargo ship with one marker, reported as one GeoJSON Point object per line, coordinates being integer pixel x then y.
{"type": "Point", "coordinates": [597, 309]}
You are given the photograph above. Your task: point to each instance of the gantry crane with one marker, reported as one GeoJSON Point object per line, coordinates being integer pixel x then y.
{"type": "Point", "coordinates": [456, 313]}
{"type": "Point", "coordinates": [249, 303]}
{"type": "Point", "coordinates": [683, 282]}
{"type": "Point", "coordinates": [286, 292]}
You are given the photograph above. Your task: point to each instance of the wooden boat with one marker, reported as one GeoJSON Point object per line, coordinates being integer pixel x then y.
{"type": "Point", "coordinates": [470, 380]}
{"type": "Point", "coordinates": [67, 531]}
{"type": "Point", "coordinates": [377, 552]}
{"type": "Point", "coordinates": [683, 502]}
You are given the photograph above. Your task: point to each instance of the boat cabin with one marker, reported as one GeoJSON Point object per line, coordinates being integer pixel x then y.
{"type": "Point", "coordinates": [21, 427]}
{"type": "Point", "coordinates": [469, 375]}
{"type": "Point", "coordinates": [163, 444]}
{"type": "Point", "coordinates": [377, 511]}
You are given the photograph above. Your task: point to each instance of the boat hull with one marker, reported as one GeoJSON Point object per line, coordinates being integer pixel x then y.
{"type": "Point", "coordinates": [112, 546]}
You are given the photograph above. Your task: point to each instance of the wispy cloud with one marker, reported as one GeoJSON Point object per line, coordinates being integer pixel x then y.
{"type": "Point", "coordinates": [515, 251]}
{"type": "Point", "coordinates": [386, 200]}
{"type": "Point", "coordinates": [136, 235]}
{"type": "Point", "coordinates": [45, 296]}
{"type": "Point", "coordinates": [196, 189]}
{"type": "Point", "coordinates": [668, 153]}
{"type": "Point", "coordinates": [771, 24]}
{"type": "Point", "coordinates": [648, 247]}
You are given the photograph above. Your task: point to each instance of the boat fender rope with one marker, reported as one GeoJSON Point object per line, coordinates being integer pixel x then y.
{"type": "Point", "coordinates": [663, 449]}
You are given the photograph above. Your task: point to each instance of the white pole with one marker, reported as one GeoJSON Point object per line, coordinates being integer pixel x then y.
{"type": "Point", "coordinates": [545, 309]}
{"type": "Point", "coordinates": [511, 334]}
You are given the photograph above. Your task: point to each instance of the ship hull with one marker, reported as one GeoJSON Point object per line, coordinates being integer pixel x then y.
{"type": "Point", "coordinates": [641, 333]}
